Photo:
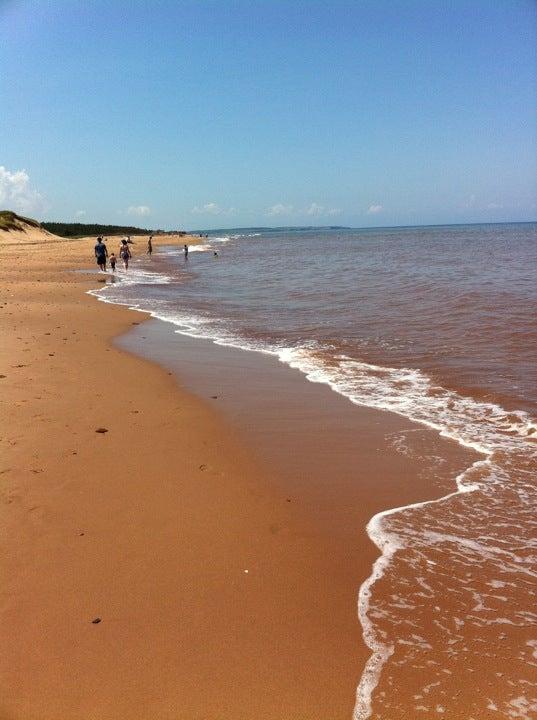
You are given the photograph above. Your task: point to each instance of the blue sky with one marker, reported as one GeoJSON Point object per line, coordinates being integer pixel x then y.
{"type": "Point", "coordinates": [220, 114]}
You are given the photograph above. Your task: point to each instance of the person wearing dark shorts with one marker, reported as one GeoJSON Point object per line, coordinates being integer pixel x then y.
{"type": "Point", "coordinates": [101, 253]}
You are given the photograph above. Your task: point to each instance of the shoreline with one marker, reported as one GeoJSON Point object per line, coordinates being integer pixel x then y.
{"type": "Point", "coordinates": [243, 379]}
{"type": "Point", "coordinates": [56, 488]}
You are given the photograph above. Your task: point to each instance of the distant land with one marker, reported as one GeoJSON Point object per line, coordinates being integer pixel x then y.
{"type": "Point", "coordinates": [74, 230]}
{"type": "Point", "coordinates": [279, 228]}
{"type": "Point", "coordinates": [17, 229]}
{"type": "Point", "coordinates": [12, 223]}
{"type": "Point", "coordinates": [9, 220]}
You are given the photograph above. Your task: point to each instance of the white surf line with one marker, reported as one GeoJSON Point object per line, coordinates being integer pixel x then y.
{"type": "Point", "coordinates": [388, 544]}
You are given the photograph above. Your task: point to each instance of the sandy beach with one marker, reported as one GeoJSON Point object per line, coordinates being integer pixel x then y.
{"type": "Point", "coordinates": [160, 560]}
{"type": "Point", "coordinates": [280, 463]}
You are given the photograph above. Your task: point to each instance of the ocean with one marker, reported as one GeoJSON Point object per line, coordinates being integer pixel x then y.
{"type": "Point", "coordinates": [439, 325]}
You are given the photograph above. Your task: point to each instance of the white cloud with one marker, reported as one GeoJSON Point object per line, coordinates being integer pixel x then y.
{"type": "Point", "coordinates": [139, 210]}
{"type": "Point", "coordinates": [207, 209]}
{"type": "Point", "coordinates": [212, 208]}
{"type": "Point", "coordinates": [494, 206]}
{"type": "Point", "coordinates": [469, 202]}
{"type": "Point", "coordinates": [317, 210]}
{"type": "Point", "coordinates": [80, 213]}
{"type": "Point", "coordinates": [279, 209]}
{"type": "Point", "coordinates": [374, 209]}
{"type": "Point", "coordinates": [17, 194]}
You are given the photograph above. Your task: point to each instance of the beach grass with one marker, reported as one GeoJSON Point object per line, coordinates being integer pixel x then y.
{"type": "Point", "coordinates": [9, 220]}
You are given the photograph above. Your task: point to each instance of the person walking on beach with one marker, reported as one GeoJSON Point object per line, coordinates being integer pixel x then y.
{"type": "Point", "coordinates": [150, 245]}
{"type": "Point", "coordinates": [113, 262]}
{"type": "Point", "coordinates": [125, 253]}
{"type": "Point", "coordinates": [186, 252]}
{"type": "Point", "coordinates": [101, 253]}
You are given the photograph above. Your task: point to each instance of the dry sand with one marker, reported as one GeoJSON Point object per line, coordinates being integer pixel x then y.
{"type": "Point", "coordinates": [156, 570]}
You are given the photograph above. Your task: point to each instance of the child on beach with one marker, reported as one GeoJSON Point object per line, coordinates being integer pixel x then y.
{"type": "Point", "coordinates": [112, 260]}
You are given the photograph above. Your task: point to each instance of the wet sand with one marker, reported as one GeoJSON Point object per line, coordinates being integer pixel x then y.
{"type": "Point", "coordinates": [202, 557]}
{"type": "Point", "coordinates": [337, 456]}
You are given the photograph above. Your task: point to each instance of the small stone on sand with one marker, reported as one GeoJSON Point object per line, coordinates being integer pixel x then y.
{"type": "Point", "coordinates": [101, 430]}
{"type": "Point", "coordinates": [96, 621]}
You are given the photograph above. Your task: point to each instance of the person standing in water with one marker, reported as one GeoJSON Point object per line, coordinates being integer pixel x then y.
{"type": "Point", "coordinates": [101, 253]}
{"type": "Point", "coordinates": [186, 252]}
{"type": "Point", "coordinates": [150, 245]}
{"type": "Point", "coordinates": [125, 253]}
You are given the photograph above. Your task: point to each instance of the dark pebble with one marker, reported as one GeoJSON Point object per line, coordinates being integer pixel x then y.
{"type": "Point", "coordinates": [96, 621]}
{"type": "Point", "coordinates": [101, 430]}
